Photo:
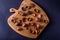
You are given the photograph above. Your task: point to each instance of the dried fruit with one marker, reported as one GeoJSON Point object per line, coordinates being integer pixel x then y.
{"type": "Point", "coordinates": [37, 11]}
{"type": "Point", "coordinates": [29, 19]}
{"type": "Point", "coordinates": [24, 8]}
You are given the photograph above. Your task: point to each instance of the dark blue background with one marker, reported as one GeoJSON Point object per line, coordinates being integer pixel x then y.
{"type": "Point", "coordinates": [51, 7]}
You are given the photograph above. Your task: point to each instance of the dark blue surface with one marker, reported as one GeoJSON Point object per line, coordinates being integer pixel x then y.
{"type": "Point", "coordinates": [51, 7]}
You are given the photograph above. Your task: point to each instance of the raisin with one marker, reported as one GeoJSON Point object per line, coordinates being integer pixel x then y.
{"type": "Point", "coordinates": [24, 8]}
{"type": "Point", "coordinates": [14, 21]}
{"type": "Point", "coordinates": [38, 26]}
{"type": "Point", "coordinates": [25, 25]}
{"type": "Point", "coordinates": [32, 24]}
{"type": "Point", "coordinates": [29, 12]}
{"type": "Point", "coordinates": [24, 19]}
{"type": "Point", "coordinates": [27, 28]}
{"type": "Point", "coordinates": [20, 21]}
{"type": "Point", "coordinates": [37, 32]}
{"type": "Point", "coordinates": [30, 19]}
{"type": "Point", "coordinates": [23, 14]}
{"type": "Point", "coordinates": [34, 15]}
{"type": "Point", "coordinates": [32, 31]}
{"type": "Point", "coordinates": [19, 24]}
{"type": "Point", "coordinates": [45, 21]}
{"type": "Point", "coordinates": [19, 29]}
{"type": "Point", "coordinates": [37, 11]}
{"type": "Point", "coordinates": [41, 16]}
{"type": "Point", "coordinates": [39, 19]}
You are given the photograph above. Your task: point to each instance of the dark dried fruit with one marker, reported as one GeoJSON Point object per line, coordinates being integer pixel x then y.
{"type": "Point", "coordinates": [27, 28]}
{"type": "Point", "coordinates": [19, 24]}
{"type": "Point", "coordinates": [24, 19]}
{"type": "Point", "coordinates": [32, 24]}
{"type": "Point", "coordinates": [34, 15]}
{"type": "Point", "coordinates": [25, 25]}
{"type": "Point", "coordinates": [29, 12]}
{"type": "Point", "coordinates": [37, 32]}
{"type": "Point", "coordinates": [24, 8]}
{"type": "Point", "coordinates": [14, 21]}
{"type": "Point", "coordinates": [32, 31]}
{"type": "Point", "coordinates": [39, 19]}
{"type": "Point", "coordinates": [19, 29]}
{"type": "Point", "coordinates": [23, 14]}
{"type": "Point", "coordinates": [29, 19]}
{"type": "Point", "coordinates": [20, 21]}
{"type": "Point", "coordinates": [38, 26]}
{"type": "Point", "coordinates": [41, 15]}
{"type": "Point", "coordinates": [45, 21]}
{"type": "Point", "coordinates": [37, 11]}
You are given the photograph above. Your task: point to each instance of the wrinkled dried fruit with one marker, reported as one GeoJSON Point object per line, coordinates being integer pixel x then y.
{"type": "Point", "coordinates": [24, 8]}
{"type": "Point", "coordinates": [19, 29]}
{"type": "Point", "coordinates": [30, 19]}
{"type": "Point", "coordinates": [37, 11]}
